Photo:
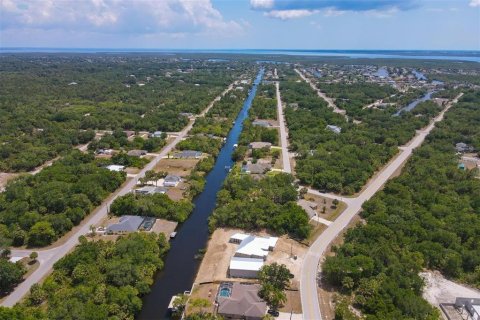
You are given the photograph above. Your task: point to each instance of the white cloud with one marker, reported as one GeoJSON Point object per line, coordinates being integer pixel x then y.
{"type": "Point", "coordinates": [290, 14]}
{"type": "Point", "coordinates": [117, 16]}
{"type": "Point", "coordinates": [261, 4]}
{"type": "Point", "coordinates": [475, 3]}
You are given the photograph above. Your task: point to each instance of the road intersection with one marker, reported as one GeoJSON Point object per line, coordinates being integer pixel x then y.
{"type": "Point", "coordinates": [48, 257]}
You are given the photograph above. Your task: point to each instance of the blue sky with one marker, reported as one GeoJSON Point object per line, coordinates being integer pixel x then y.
{"type": "Point", "coordinates": [238, 24]}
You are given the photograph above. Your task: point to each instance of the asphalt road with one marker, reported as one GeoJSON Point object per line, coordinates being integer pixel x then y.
{"type": "Point", "coordinates": [47, 258]}
{"type": "Point", "coordinates": [283, 132]}
{"type": "Point", "coordinates": [322, 95]}
{"type": "Point", "coordinates": [310, 268]}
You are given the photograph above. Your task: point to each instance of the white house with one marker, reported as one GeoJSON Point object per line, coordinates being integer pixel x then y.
{"type": "Point", "coordinates": [115, 167]}
{"type": "Point", "coordinates": [171, 181]}
{"type": "Point", "coordinates": [250, 255]}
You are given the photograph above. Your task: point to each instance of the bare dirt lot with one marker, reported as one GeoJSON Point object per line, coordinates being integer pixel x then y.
{"type": "Point", "coordinates": [5, 177]}
{"type": "Point", "coordinates": [204, 291]}
{"type": "Point", "coordinates": [164, 226]}
{"type": "Point", "coordinates": [438, 289]}
{"type": "Point", "coordinates": [330, 212]}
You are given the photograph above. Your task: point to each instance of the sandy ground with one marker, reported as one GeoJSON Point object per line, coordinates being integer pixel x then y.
{"type": "Point", "coordinates": [440, 290]}
{"type": "Point", "coordinates": [5, 177]}
{"type": "Point", "coordinates": [330, 212]}
{"type": "Point", "coordinates": [179, 167]}
{"type": "Point", "coordinates": [164, 226]}
{"type": "Point", "coordinates": [204, 291]}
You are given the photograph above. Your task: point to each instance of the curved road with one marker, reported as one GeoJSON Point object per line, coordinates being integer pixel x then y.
{"type": "Point", "coordinates": [310, 267]}
{"type": "Point", "coordinates": [48, 257]}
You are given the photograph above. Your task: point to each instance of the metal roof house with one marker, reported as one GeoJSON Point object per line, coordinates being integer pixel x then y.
{"type": "Point", "coordinates": [151, 190]}
{"type": "Point", "coordinates": [243, 303]}
{"type": "Point", "coordinates": [250, 255]}
{"type": "Point", "coordinates": [126, 224]}
{"type": "Point", "coordinates": [188, 154]}
{"type": "Point", "coordinates": [171, 181]}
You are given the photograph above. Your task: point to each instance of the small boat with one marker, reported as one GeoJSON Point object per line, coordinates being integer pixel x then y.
{"type": "Point", "coordinates": [235, 145]}
{"type": "Point", "coordinates": [227, 168]}
{"type": "Point", "coordinates": [173, 235]}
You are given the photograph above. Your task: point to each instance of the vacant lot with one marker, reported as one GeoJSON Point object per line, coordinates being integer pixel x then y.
{"type": "Point", "coordinates": [179, 167]}
{"type": "Point", "coordinates": [325, 207]}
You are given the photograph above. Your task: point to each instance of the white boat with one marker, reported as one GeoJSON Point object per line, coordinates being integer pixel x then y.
{"type": "Point", "coordinates": [173, 235]}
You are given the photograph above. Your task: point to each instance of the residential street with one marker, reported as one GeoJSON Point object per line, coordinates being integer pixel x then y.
{"type": "Point", "coordinates": [283, 132]}
{"type": "Point", "coordinates": [47, 258]}
{"type": "Point", "coordinates": [309, 274]}
{"type": "Point", "coordinates": [322, 95]}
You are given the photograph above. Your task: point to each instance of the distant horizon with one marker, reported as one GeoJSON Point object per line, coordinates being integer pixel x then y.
{"type": "Point", "coordinates": [238, 49]}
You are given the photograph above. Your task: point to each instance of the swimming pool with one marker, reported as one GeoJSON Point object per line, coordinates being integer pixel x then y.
{"type": "Point", "coordinates": [225, 292]}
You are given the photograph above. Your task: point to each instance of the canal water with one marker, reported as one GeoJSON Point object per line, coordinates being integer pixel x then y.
{"type": "Point", "coordinates": [413, 104]}
{"type": "Point", "coordinates": [181, 267]}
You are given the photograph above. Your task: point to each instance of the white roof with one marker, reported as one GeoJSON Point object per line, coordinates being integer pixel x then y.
{"type": "Point", "coordinates": [239, 236]}
{"type": "Point", "coordinates": [256, 246]}
{"type": "Point", "coordinates": [115, 167]}
{"type": "Point", "coordinates": [15, 259]}
{"type": "Point", "coordinates": [238, 263]}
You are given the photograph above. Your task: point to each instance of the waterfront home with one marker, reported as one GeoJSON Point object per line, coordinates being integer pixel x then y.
{"type": "Point", "coordinates": [256, 168]}
{"type": "Point", "coordinates": [261, 123]}
{"type": "Point", "coordinates": [250, 255]}
{"type": "Point", "coordinates": [188, 154]}
{"type": "Point", "coordinates": [126, 224]}
{"type": "Point", "coordinates": [151, 190]}
{"type": "Point", "coordinates": [259, 145]}
{"type": "Point", "coordinates": [171, 180]}
{"type": "Point", "coordinates": [241, 301]}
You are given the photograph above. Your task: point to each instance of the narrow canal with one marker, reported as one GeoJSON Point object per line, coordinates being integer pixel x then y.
{"type": "Point", "coordinates": [181, 267]}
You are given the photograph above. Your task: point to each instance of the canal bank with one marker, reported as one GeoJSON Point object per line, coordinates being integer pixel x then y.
{"type": "Point", "coordinates": [181, 266]}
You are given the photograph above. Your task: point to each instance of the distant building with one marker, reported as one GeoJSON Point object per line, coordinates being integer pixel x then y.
{"type": "Point", "coordinates": [244, 267]}
{"type": "Point", "coordinates": [137, 153]}
{"type": "Point", "coordinates": [261, 123]}
{"type": "Point", "coordinates": [115, 167]}
{"type": "Point", "coordinates": [242, 302]}
{"type": "Point", "coordinates": [334, 129]}
{"type": "Point", "coordinates": [151, 190]}
{"type": "Point", "coordinates": [126, 224]}
{"type": "Point", "coordinates": [260, 145]}
{"type": "Point", "coordinates": [156, 134]}
{"type": "Point", "coordinates": [188, 154]}
{"type": "Point", "coordinates": [171, 181]}
{"type": "Point", "coordinates": [463, 147]}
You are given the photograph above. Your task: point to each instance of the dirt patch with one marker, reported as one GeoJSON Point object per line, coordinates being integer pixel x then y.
{"type": "Point", "coordinates": [284, 253]}
{"type": "Point", "coordinates": [293, 303]}
{"type": "Point", "coordinates": [203, 291]}
{"type": "Point", "coordinates": [164, 226]}
{"type": "Point", "coordinates": [438, 289]}
{"type": "Point", "coordinates": [5, 177]}
{"type": "Point", "coordinates": [215, 263]}
{"type": "Point", "coordinates": [325, 207]}
{"type": "Point", "coordinates": [178, 167]}
{"type": "Point", "coordinates": [178, 193]}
